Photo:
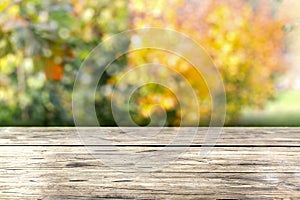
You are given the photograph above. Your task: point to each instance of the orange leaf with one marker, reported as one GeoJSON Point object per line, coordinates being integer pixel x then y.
{"type": "Point", "coordinates": [53, 71]}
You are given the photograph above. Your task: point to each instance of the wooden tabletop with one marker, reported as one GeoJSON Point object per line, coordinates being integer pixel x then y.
{"type": "Point", "coordinates": [64, 163]}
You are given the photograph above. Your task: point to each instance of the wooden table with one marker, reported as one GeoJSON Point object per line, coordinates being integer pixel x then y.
{"type": "Point", "coordinates": [53, 163]}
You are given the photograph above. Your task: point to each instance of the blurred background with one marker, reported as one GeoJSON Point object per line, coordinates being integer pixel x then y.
{"type": "Point", "coordinates": [254, 44]}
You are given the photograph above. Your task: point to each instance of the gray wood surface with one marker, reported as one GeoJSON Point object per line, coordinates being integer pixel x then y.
{"type": "Point", "coordinates": [53, 163]}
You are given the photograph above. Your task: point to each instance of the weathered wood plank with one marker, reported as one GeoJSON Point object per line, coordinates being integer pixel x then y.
{"type": "Point", "coordinates": [63, 184]}
{"type": "Point", "coordinates": [52, 163]}
{"type": "Point", "coordinates": [69, 136]}
{"type": "Point", "coordinates": [229, 159]}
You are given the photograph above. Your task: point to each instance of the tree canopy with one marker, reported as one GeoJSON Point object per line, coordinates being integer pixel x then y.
{"type": "Point", "coordinates": [43, 44]}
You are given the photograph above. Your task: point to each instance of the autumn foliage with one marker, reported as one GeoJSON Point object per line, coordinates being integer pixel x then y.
{"type": "Point", "coordinates": [43, 43]}
{"type": "Point", "coordinates": [245, 41]}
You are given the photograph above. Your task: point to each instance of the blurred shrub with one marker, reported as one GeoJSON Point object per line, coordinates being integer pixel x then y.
{"type": "Point", "coordinates": [244, 38]}
{"type": "Point", "coordinates": [42, 44]}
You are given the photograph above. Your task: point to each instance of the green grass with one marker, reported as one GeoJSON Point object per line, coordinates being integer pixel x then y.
{"type": "Point", "coordinates": [283, 111]}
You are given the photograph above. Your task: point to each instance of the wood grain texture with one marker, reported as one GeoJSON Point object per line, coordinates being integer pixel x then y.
{"type": "Point", "coordinates": [53, 163]}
